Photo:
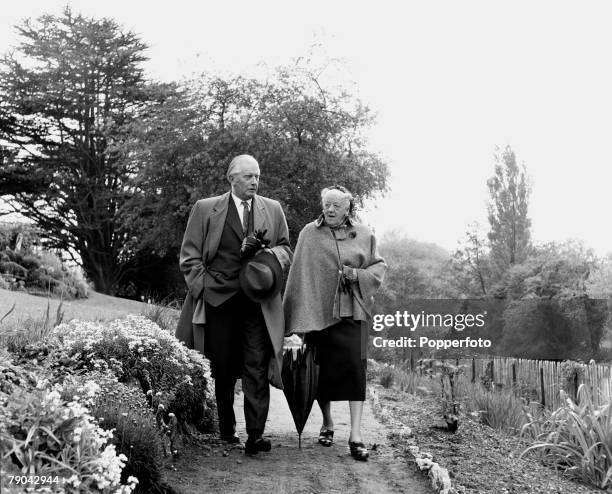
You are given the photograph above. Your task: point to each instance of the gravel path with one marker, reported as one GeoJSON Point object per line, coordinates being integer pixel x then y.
{"type": "Point", "coordinates": [287, 469]}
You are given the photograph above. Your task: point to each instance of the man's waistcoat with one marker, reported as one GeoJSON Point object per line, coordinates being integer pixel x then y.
{"type": "Point", "coordinates": [222, 273]}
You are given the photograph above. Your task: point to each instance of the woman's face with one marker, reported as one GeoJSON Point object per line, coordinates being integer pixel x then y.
{"type": "Point", "coordinates": [335, 207]}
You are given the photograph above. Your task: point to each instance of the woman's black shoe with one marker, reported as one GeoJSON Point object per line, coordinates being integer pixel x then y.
{"type": "Point", "coordinates": [326, 437]}
{"type": "Point", "coordinates": [359, 451]}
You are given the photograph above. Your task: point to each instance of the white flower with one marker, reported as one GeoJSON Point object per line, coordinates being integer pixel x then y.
{"type": "Point", "coordinates": [73, 481]}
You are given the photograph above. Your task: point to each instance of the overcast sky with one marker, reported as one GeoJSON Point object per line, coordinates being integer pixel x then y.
{"type": "Point", "coordinates": [449, 81]}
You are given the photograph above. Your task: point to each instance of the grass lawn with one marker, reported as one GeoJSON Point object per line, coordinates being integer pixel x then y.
{"type": "Point", "coordinates": [97, 307]}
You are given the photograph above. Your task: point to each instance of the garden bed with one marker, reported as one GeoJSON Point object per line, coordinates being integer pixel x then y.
{"type": "Point", "coordinates": [479, 459]}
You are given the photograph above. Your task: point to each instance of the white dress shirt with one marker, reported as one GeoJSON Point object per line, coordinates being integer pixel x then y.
{"type": "Point", "coordinates": [240, 207]}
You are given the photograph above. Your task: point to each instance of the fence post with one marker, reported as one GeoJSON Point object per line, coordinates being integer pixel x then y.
{"type": "Point", "coordinates": [473, 369]}
{"type": "Point", "coordinates": [513, 374]}
{"type": "Point", "coordinates": [576, 387]}
{"type": "Point", "coordinates": [542, 387]}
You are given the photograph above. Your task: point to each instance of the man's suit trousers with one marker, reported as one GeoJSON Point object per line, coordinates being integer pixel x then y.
{"type": "Point", "coordinates": [237, 342]}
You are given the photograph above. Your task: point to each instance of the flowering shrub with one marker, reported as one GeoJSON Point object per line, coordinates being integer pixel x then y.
{"type": "Point", "coordinates": [45, 435]}
{"type": "Point", "coordinates": [79, 404]}
{"type": "Point", "coordinates": [124, 409]}
{"type": "Point", "coordinates": [136, 348]}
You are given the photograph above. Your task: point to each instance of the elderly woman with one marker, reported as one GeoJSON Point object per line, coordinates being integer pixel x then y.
{"type": "Point", "coordinates": [329, 296]}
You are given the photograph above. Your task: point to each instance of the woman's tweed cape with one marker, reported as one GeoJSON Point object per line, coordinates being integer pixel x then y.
{"type": "Point", "coordinates": [312, 299]}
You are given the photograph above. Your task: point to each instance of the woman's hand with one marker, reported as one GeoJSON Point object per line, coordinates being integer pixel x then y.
{"type": "Point", "coordinates": [349, 273]}
{"type": "Point", "coordinates": [293, 341]}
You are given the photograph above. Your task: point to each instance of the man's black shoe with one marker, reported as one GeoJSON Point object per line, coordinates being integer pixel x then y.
{"type": "Point", "coordinates": [230, 438]}
{"type": "Point", "coordinates": [256, 444]}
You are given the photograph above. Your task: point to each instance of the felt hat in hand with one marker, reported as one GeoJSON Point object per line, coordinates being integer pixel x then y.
{"type": "Point", "coordinates": [261, 277]}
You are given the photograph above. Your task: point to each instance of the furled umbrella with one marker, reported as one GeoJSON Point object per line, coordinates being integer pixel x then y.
{"type": "Point", "coordinates": [300, 376]}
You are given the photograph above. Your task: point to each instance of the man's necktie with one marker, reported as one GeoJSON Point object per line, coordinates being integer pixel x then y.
{"type": "Point", "coordinates": [245, 217]}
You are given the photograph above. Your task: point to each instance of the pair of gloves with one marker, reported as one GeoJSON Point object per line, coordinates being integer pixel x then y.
{"type": "Point", "coordinates": [253, 243]}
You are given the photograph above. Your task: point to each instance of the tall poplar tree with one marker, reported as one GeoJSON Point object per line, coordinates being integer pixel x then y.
{"type": "Point", "coordinates": [509, 236]}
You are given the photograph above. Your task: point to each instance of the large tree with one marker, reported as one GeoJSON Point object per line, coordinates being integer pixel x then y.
{"type": "Point", "coordinates": [69, 91]}
{"type": "Point", "coordinates": [509, 235]}
{"type": "Point", "coordinates": [304, 136]}
{"type": "Point", "coordinates": [550, 314]}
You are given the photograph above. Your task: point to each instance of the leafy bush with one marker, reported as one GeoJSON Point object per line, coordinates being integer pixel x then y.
{"type": "Point", "coordinates": [9, 233]}
{"type": "Point", "coordinates": [386, 379]}
{"type": "Point", "coordinates": [499, 409]}
{"type": "Point", "coordinates": [124, 409]}
{"type": "Point", "coordinates": [43, 434]}
{"type": "Point", "coordinates": [134, 348]}
{"type": "Point", "coordinates": [165, 314]}
{"type": "Point", "coordinates": [576, 438]}
{"type": "Point", "coordinates": [64, 411]}
{"type": "Point", "coordinates": [40, 273]}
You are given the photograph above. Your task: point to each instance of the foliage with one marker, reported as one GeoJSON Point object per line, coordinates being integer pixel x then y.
{"type": "Point", "coordinates": [40, 273]}
{"type": "Point", "coordinates": [387, 377]}
{"type": "Point", "coordinates": [551, 315]}
{"type": "Point", "coordinates": [23, 235]}
{"type": "Point", "coordinates": [599, 282]}
{"type": "Point", "coordinates": [448, 375]}
{"type": "Point", "coordinates": [417, 272]}
{"type": "Point", "coordinates": [535, 329]}
{"type": "Point", "coordinates": [497, 408]}
{"type": "Point", "coordinates": [124, 410]}
{"type": "Point", "coordinates": [576, 439]}
{"type": "Point", "coordinates": [554, 270]}
{"type": "Point", "coordinates": [136, 348]}
{"type": "Point", "coordinates": [163, 313]}
{"type": "Point", "coordinates": [406, 381]}
{"type": "Point", "coordinates": [17, 336]}
{"type": "Point", "coordinates": [43, 434]}
{"type": "Point", "coordinates": [509, 235]}
{"type": "Point", "coordinates": [69, 91]}
{"type": "Point", "coordinates": [83, 382]}
{"type": "Point", "coordinates": [471, 265]}
{"type": "Point", "coordinates": [110, 166]}
{"type": "Point", "coordinates": [305, 137]}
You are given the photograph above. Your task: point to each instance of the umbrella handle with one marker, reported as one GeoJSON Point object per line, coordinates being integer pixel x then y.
{"type": "Point", "coordinates": [299, 440]}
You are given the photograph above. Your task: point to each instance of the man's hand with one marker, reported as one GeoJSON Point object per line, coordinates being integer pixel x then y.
{"type": "Point", "coordinates": [253, 244]}
{"type": "Point", "coordinates": [250, 245]}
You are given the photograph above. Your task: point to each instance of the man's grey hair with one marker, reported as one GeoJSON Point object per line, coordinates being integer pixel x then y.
{"type": "Point", "coordinates": [235, 161]}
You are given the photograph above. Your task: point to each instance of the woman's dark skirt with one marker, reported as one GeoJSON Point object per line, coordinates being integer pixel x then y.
{"type": "Point", "coordinates": [340, 351]}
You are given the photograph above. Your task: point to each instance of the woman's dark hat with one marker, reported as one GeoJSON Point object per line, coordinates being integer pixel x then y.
{"type": "Point", "coordinates": [261, 277]}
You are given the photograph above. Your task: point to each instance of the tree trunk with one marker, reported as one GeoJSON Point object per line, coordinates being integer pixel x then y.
{"type": "Point", "coordinates": [102, 270]}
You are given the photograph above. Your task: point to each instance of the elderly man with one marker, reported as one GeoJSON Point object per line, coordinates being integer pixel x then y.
{"type": "Point", "coordinates": [240, 333]}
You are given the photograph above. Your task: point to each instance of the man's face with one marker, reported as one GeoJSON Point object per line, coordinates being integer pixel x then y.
{"type": "Point", "coordinates": [245, 179]}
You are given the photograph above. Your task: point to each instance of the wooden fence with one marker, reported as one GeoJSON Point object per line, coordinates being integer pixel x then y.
{"type": "Point", "coordinates": [541, 380]}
